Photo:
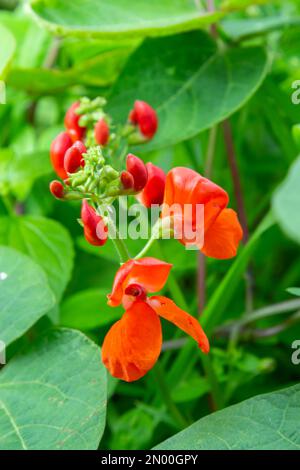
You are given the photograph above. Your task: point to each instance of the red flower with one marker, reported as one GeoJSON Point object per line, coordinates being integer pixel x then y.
{"type": "Point", "coordinates": [153, 192]}
{"type": "Point", "coordinates": [221, 229]}
{"type": "Point", "coordinates": [95, 231]}
{"type": "Point", "coordinates": [133, 344]}
{"type": "Point", "coordinates": [58, 149]}
{"type": "Point", "coordinates": [145, 117]}
{"type": "Point", "coordinates": [72, 123]}
{"type": "Point", "coordinates": [73, 157]}
{"type": "Point", "coordinates": [101, 132]}
{"type": "Point", "coordinates": [57, 189]}
{"type": "Point", "coordinates": [137, 168]}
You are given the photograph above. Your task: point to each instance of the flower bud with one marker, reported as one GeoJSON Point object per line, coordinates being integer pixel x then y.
{"type": "Point", "coordinates": [58, 149]}
{"type": "Point", "coordinates": [72, 123]}
{"type": "Point", "coordinates": [57, 189]}
{"type": "Point", "coordinates": [137, 168]}
{"type": "Point", "coordinates": [127, 180]}
{"type": "Point", "coordinates": [95, 230]}
{"type": "Point", "coordinates": [101, 132]}
{"type": "Point", "coordinates": [153, 192]}
{"type": "Point", "coordinates": [73, 157]}
{"type": "Point", "coordinates": [145, 117]}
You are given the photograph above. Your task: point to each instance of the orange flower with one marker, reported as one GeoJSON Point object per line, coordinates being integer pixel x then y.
{"type": "Point", "coordinates": [133, 344]}
{"type": "Point", "coordinates": [221, 229]}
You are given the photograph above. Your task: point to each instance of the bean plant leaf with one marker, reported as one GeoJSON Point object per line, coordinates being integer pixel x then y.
{"type": "Point", "coordinates": [46, 241]}
{"type": "Point", "coordinates": [286, 203]}
{"type": "Point", "coordinates": [189, 82]}
{"type": "Point", "coordinates": [53, 395]}
{"type": "Point", "coordinates": [265, 422]}
{"type": "Point", "coordinates": [88, 309]}
{"type": "Point", "coordinates": [25, 295]}
{"type": "Point", "coordinates": [121, 18]}
{"type": "Point", "coordinates": [7, 49]}
{"type": "Point", "coordinates": [239, 29]}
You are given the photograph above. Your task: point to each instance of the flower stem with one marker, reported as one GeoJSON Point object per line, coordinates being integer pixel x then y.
{"type": "Point", "coordinates": [118, 243]}
{"type": "Point", "coordinates": [154, 237]}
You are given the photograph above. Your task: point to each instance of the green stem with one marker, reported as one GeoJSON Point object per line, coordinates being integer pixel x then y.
{"type": "Point", "coordinates": [166, 396]}
{"type": "Point", "coordinates": [154, 237]}
{"type": "Point", "coordinates": [118, 243]}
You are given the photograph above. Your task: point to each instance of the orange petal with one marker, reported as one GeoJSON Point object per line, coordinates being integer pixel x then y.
{"type": "Point", "coordinates": [133, 344]}
{"type": "Point", "coordinates": [150, 273]}
{"type": "Point", "coordinates": [222, 239]}
{"type": "Point", "coordinates": [185, 186]}
{"type": "Point", "coordinates": [167, 309]}
{"type": "Point", "coordinates": [115, 297]}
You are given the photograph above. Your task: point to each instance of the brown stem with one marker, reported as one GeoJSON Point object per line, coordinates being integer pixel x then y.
{"type": "Point", "coordinates": [232, 161]}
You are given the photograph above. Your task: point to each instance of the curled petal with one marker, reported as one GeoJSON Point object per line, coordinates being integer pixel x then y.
{"type": "Point", "coordinates": [167, 309]}
{"type": "Point", "coordinates": [153, 192]}
{"type": "Point", "coordinates": [133, 344]}
{"type": "Point", "coordinates": [222, 239]}
{"type": "Point", "coordinates": [150, 273]}
{"type": "Point", "coordinates": [185, 186]}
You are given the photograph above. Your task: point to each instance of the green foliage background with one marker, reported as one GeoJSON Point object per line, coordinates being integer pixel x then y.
{"type": "Point", "coordinates": [54, 391]}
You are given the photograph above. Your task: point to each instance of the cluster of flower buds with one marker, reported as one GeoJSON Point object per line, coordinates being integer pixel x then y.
{"type": "Point", "coordinates": [83, 156]}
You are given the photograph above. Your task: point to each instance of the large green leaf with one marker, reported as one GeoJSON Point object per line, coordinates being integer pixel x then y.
{"type": "Point", "coordinates": [47, 242]}
{"type": "Point", "coordinates": [25, 295]}
{"type": "Point", "coordinates": [265, 422]}
{"type": "Point", "coordinates": [53, 396]}
{"type": "Point", "coordinates": [19, 170]}
{"type": "Point", "coordinates": [245, 28]}
{"type": "Point", "coordinates": [88, 309]}
{"type": "Point", "coordinates": [286, 203]}
{"type": "Point", "coordinates": [6, 50]}
{"type": "Point", "coordinates": [190, 84]}
{"type": "Point", "coordinates": [120, 18]}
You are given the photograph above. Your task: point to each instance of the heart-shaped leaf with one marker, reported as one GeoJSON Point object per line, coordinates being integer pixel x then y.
{"type": "Point", "coordinates": [265, 422]}
{"type": "Point", "coordinates": [53, 396]}
{"type": "Point", "coordinates": [25, 295]}
{"type": "Point", "coordinates": [189, 82]}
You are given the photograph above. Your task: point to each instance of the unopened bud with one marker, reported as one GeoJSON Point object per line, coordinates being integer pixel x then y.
{"type": "Point", "coordinates": [58, 150]}
{"type": "Point", "coordinates": [101, 132]}
{"type": "Point", "coordinates": [153, 192]}
{"type": "Point", "coordinates": [137, 168]}
{"type": "Point", "coordinates": [57, 189]}
{"type": "Point", "coordinates": [73, 157]}
{"type": "Point", "coordinates": [72, 122]}
{"type": "Point", "coordinates": [145, 117]}
{"type": "Point", "coordinates": [127, 180]}
{"type": "Point", "coordinates": [95, 230]}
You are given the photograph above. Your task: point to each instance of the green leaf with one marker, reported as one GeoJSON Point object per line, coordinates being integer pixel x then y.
{"type": "Point", "coordinates": [265, 422]}
{"type": "Point", "coordinates": [7, 49]}
{"type": "Point", "coordinates": [239, 29]}
{"type": "Point", "coordinates": [53, 396]}
{"type": "Point", "coordinates": [88, 309]}
{"type": "Point", "coordinates": [47, 242]}
{"type": "Point", "coordinates": [25, 295]}
{"type": "Point", "coordinates": [286, 203]}
{"type": "Point", "coordinates": [121, 18]}
{"type": "Point", "coordinates": [294, 291]}
{"type": "Point", "coordinates": [19, 170]}
{"type": "Point", "coordinates": [191, 85]}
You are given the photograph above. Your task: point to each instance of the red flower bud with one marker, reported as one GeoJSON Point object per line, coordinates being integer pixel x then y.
{"type": "Point", "coordinates": [73, 157]}
{"type": "Point", "coordinates": [58, 149]}
{"type": "Point", "coordinates": [57, 189]}
{"type": "Point", "coordinates": [72, 123]}
{"type": "Point", "coordinates": [137, 168]}
{"type": "Point", "coordinates": [101, 132]}
{"type": "Point", "coordinates": [127, 180]}
{"type": "Point", "coordinates": [145, 117]}
{"type": "Point", "coordinates": [95, 231]}
{"type": "Point", "coordinates": [153, 192]}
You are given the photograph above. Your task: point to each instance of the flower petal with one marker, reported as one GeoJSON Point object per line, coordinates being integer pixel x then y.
{"type": "Point", "coordinates": [133, 344]}
{"type": "Point", "coordinates": [115, 297]}
{"type": "Point", "coordinates": [167, 309]}
{"type": "Point", "coordinates": [186, 187]}
{"type": "Point", "coordinates": [222, 239]}
{"type": "Point", "coordinates": [150, 273]}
